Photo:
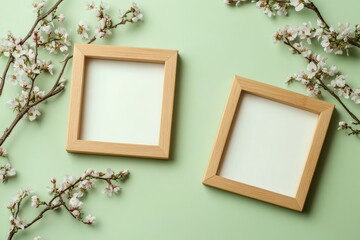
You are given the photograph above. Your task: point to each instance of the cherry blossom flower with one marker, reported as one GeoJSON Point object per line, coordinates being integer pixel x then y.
{"type": "Point", "coordinates": [6, 171]}
{"type": "Point", "coordinates": [90, 6]}
{"type": "Point", "coordinates": [345, 92]}
{"type": "Point", "coordinates": [110, 190]}
{"type": "Point", "coordinates": [343, 125]}
{"type": "Point", "coordinates": [89, 219]}
{"type": "Point", "coordinates": [355, 96]}
{"type": "Point", "coordinates": [83, 29]}
{"type": "Point", "coordinates": [17, 222]}
{"type": "Point", "coordinates": [33, 113]}
{"type": "Point", "coordinates": [13, 78]}
{"type": "Point", "coordinates": [313, 90]}
{"type": "Point", "coordinates": [104, 5]}
{"type": "Point", "coordinates": [345, 32]}
{"type": "Point", "coordinates": [35, 201]}
{"type": "Point", "coordinates": [38, 6]}
{"type": "Point", "coordinates": [3, 152]}
{"type": "Point", "coordinates": [61, 18]}
{"type": "Point", "coordinates": [76, 213]}
{"type": "Point", "coordinates": [298, 4]}
{"type": "Point", "coordinates": [75, 203]}
{"type": "Point", "coordinates": [313, 69]}
{"type": "Point", "coordinates": [338, 82]}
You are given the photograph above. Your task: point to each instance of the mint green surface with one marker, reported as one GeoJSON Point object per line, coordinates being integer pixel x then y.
{"type": "Point", "coordinates": [165, 199]}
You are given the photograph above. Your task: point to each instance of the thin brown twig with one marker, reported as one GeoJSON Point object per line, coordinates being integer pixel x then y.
{"type": "Point", "coordinates": [314, 8]}
{"type": "Point", "coordinates": [2, 83]}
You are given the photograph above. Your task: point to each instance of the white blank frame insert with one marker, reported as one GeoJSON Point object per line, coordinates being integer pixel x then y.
{"type": "Point", "coordinates": [268, 143]}
{"type": "Point", "coordinates": [122, 101]}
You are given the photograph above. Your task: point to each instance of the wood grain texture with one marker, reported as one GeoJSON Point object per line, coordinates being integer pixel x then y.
{"type": "Point", "coordinates": [240, 85]}
{"type": "Point", "coordinates": [85, 51]}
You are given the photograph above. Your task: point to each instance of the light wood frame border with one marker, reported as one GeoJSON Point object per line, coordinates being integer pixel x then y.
{"type": "Point", "coordinates": [84, 51]}
{"type": "Point", "coordinates": [323, 109]}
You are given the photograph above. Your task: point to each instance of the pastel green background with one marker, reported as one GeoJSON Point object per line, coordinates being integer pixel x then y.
{"type": "Point", "coordinates": [166, 199]}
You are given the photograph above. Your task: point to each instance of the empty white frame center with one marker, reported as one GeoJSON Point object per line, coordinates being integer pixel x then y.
{"type": "Point", "coordinates": [269, 144]}
{"type": "Point", "coordinates": [122, 101]}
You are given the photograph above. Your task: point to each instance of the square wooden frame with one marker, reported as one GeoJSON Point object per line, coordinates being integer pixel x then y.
{"type": "Point", "coordinates": [242, 85]}
{"type": "Point", "coordinates": [85, 51]}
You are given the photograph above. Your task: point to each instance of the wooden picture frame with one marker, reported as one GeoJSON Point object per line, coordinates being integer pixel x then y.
{"type": "Point", "coordinates": [249, 158]}
{"type": "Point", "coordinates": [121, 101]}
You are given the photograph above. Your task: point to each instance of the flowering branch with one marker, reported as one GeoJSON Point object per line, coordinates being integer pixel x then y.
{"type": "Point", "coordinates": [67, 195]}
{"type": "Point", "coordinates": [23, 56]}
{"type": "Point", "coordinates": [313, 61]}
{"type": "Point", "coordinates": [318, 75]}
{"type": "Point", "coordinates": [38, 7]}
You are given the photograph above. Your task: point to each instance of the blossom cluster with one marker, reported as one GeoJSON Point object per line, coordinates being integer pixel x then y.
{"type": "Point", "coordinates": [6, 170]}
{"type": "Point", "coordinates": [317, 69]}
{"type": "Point", "coordinates": [333, 40]}
{"type": "Point", "coordinates": [105, 22]}
{"type": "Point", "coordinates": [66, 195]}
{"type": "Point", "coordinates": [273, 7]}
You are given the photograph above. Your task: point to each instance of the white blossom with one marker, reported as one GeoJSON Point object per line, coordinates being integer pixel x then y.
{"type": "Point", "coordinates": [46, 28]}
{"type": "Point", "coordinates": [104, 5]}
{"type": "Point", "coordinates": [338, 82]}
{"type": "Point", "coordinates": [76, 213]}
{"type": "Point", "coordinates": [122, 13]}
{"type": "Point", "coordinates": [124, 173]}
{"type": "Point", "coordinates": [345, 32]}
{"type": "Point", "coordinates": [99, 30]}
{"type": "Point", "coordinates": [17, 222]}
{"type": "Point", "coordinates": [89, 219]}
{"type": "Point", "coordinates": [344, 92]}
{"type": "Point", "coordinates": [6, 170]}
{"type": "Point", "coordinates": [35, 201]}
{"type": "Point", "coordinates": [355, 96]}
{"type": "Point", "coordinates": [18, 52]}
{"type": "Point", "coordinates": [313, 69]}
{"type": "Point", "coordinates": [61, 18]}
{"type": "Point", "coordinates": [24, 82]}
{"type": "Point", "coordinates": [19, 66]}
{"type": "Point", "coordinates": [303, 78]}
{"type": "Point", "coordinates": [342, 125]}
{"type": "Point", "coordinates": [110, 190]}
{"type": "Point", "coordinates": [33, 113]}
{"type": "Point", "coordinates": [3, 152]}
{"type": "Point", "coordinates": [90, 5]}
{"type": "Point", "coordinates": [304, 32]}
{"type": "Point", "coordinates": [110, 173]}
{"type": "Point", "coordinates": [92, 172]}
{"type": "Point", "coordinates": [314, 91]}
{"type": "Point", "coordinates": [75, 203]}
{"type": "Point", "coordinates": [138, 16]}
{"type": "Point", "coordinates": [298, 4]}
{"type": "Point", "coordinates": [83, 29]}
{"type": "Point", "coordinates": [38, 6]}
{"type": "Point", "coordinates": [332, 70]}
